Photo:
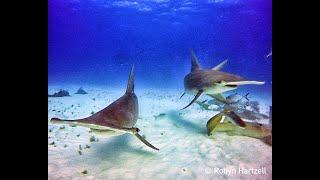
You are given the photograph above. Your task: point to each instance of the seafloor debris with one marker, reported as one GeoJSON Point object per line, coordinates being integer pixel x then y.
{"type": "Point", "coordinates": [52, 143]}
{"type": "Point", "coordinates": [92, 112]}
{"type": "Point", "coordinates": [80, 153]}
{"type": "Point", "coordinates": [65, 145]}
{"type": "Point", "coordinates": [92, 139]}
{"type": "Point", "coordinates": [87, 146]}
{"type": "Point", "coordinates": [81, 91]}
{"type": "Point", "coordinates": [84, 172]}
{"type": "Point", "coordinates": [61, 93]}
{"type": "Point", "coordinates": [80, 147]}
{"type": "Point", "coordinates": [62, 127]}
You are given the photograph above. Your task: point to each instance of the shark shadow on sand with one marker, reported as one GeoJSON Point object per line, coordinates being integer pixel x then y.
{"type": "Point", "coordinates": [178, 120]}
{"type": "Point", "coordinates": [115, 146]}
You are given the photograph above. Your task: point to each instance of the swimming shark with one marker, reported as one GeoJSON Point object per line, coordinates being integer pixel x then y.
{"type": "Point", "coordinates": [116, 119]}
{"type": "Point", "coordinates": [212, 82]}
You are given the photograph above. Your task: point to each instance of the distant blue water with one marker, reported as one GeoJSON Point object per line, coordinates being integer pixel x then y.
{"type": "Point", "coordinates": [94, 42]}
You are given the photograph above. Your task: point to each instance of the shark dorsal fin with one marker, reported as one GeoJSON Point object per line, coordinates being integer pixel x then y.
{"type": "Point", "coordinates": [194, 61]}
{"type": "Point", "coordinates": [219, 66]}
{"type": "Point", "coordinates": [130, 86]}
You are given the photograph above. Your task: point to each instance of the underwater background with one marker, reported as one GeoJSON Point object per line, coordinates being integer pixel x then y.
{"type": "Point", "coordinates": [94, 42]}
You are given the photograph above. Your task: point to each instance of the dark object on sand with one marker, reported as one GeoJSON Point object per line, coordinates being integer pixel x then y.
{"type": "Point", "coordinates": [92, 139]}
{"type": "Point", "coordinates": [81, 91]}
{"type": "Point", "coordinates": [84, 172]}
{"type": "Point", "coordinates": [61, 93]}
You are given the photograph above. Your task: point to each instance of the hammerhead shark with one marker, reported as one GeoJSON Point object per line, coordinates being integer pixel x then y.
{"type": "Point", "coordinates": [212, 82]}
{"type": "Point", "coordinates": [117, 118]}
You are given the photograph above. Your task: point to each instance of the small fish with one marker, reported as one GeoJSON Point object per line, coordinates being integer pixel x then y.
{"type": "Point", "coordinates": [159, 115]}
{"type": "Point", "coordinates": [236, 98]}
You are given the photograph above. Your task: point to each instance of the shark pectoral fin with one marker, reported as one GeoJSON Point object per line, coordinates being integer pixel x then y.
{"type": "Point", "coordinates": [213, 122]}
{"type": "Point", "coordinates": [237, 83]}
{"type": "Point", "coordinates": [219, 66]}
{"type": "Point", "coordinates": [182, 95]}
{"type": "Point", "coordinates": [219, 97]}
{"type": "Point", "coordinates": [145, 141]}
{"type": "Point", "coordinates": [234, 118]}
{"type": "Point", "coordinates": [194, 99]}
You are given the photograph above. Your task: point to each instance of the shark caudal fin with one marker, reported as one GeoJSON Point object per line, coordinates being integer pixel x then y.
{"type": "Point", "coordinates": [194, 61]}
{"type": "Point", "coordinates": [130, 86]}
{"type": "Point", "coordinates": [219, 66]}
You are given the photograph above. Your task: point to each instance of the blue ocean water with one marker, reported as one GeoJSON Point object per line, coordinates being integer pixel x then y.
{"type": "Point", "coordinates": [95, 42]}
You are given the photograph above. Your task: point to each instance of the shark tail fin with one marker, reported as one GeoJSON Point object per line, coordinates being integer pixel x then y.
{"type": "Point", "coordinates": [194, 61]}
{"type": "Point", "coordinates": [130, 86]}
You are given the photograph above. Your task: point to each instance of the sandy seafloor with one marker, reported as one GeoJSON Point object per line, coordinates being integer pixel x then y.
{"type": "Point", "coordinates": [186, 152]}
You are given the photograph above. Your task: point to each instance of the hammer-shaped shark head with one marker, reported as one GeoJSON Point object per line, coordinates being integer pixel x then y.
{"type": "Point", "coordinates": [211, 81]}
